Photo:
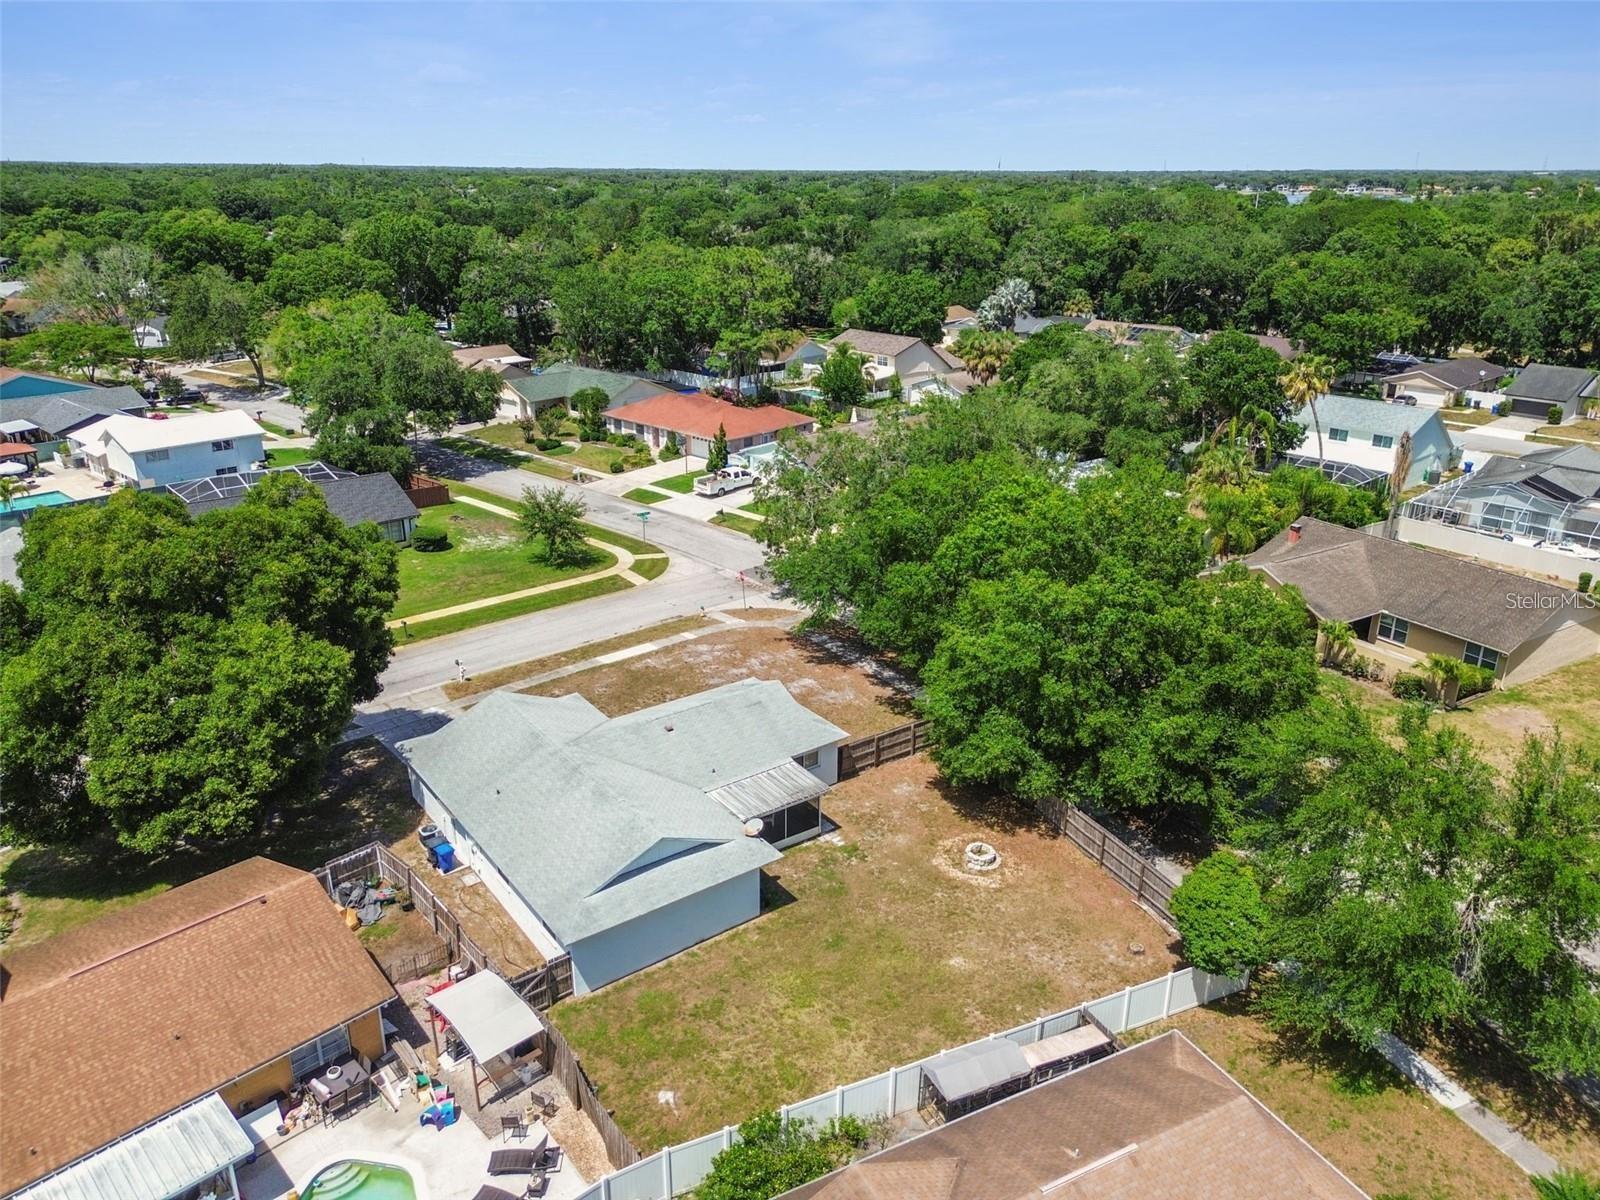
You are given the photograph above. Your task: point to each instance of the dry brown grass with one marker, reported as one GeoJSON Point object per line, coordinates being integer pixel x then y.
{"type": "Point", "coordinates": [480, 914]}
{"type": "Point", "coordinates": [822, 680]}
{"type": "Point", "coordinates": [488, 681]}
{"type": "Point", "coordinates": [876, 948]}
{"type": "Point", "coordinates": [1387, 1136]}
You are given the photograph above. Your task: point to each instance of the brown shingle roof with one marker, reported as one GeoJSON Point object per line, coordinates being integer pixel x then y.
{"type": "Point", "coordinates": [1159, 1120]}
{"type": "Point", "coordinates": [471, 356]}
{"type": "Point", "coordinates": [111, 1025]}
{"type": "Point", "coordinates": [1457, 373]}
{"type": "Point", "coordinates": [865, 341]}
{"type": "Point", "coordinates": [1347, 575]}
{"type": "Point", "coordinates": [700, 415]}
{"type": "Point", "coordinates": [958, 312]}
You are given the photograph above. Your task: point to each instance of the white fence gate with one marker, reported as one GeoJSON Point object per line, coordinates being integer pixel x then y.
{"type": "Point", "coordinates": [677, 1169]}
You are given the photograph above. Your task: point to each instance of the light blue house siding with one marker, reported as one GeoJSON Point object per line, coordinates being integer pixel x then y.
{"type": "Point", "coordinates": [624, 949]}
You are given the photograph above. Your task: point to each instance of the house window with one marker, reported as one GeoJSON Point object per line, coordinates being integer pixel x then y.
{"type": "Point", "coordinates": [224, 444]}
{"type": "Point", "coordinates": [1481, 656]}
{"type": "Point", "coordinates": [1393, 629]}
{"type": "Point", "coordinates": [1338, 435]}
{"type": "Point", "coordinates": [320, 1052]}
{"type": "Point", "coordinates": [1382, 441]}
{"type": "Point", "coordinates": [808, 759]}
{"type": "Point", "coordinates": [882, 360]}
{"type": "Point", "coordinates": [157, 455]}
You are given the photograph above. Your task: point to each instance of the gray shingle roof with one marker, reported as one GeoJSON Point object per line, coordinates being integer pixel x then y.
{"type": "Point", "coordinates": [351, 498]}
{"type": "Point", "coordinates": [1347, 575]}
{"type": "Point", "coordinates": [594, 821]}
{"type": "Point", "coordinates": [564, 380]}
{"type": "Point", "coordinates": [59, 412]}
{"type": "Point", "coordinates": [1457, 373]}
{"type": "Point", "coordinates": [1561, 472]}
{"type": "Point", "coordinates": [1360, 415]}
{"type": "Point", "coordinates": [1559, 385]}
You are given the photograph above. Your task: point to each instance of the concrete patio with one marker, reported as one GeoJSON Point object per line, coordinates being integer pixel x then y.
{"type": "Point", "coordinates": [444, 1164]}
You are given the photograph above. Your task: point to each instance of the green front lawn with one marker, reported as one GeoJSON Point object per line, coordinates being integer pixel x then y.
{"type": "Point", "coordinates": [651, 568]}
{"type": "Point", "coordinates": [456, 622]}
{"type": "Point", "coordinates": [745, 525]}
{"type": "Point", "coordinates": [642, 495]}
{"type": "Point", "coordinates": [487, 557]}
{"type": "Point", "coordinates": [597, 456]}
{"type": "Point", "coordinates": [682, 484]}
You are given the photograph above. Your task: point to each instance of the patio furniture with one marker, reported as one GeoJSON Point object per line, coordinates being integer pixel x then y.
{"type": "Point", "coordinates": [512, 1125]}
{"type": "Point", "coordinates": [490, 1192]}
{"type": "Point", "coordinates": [537, 1183]}
{"type": "Point", "coordinates": [525, 1159]}
{"type": "Point", "coordinates": [551, 1162]}
{"type": "Point", "coordinates": [341, 1087]}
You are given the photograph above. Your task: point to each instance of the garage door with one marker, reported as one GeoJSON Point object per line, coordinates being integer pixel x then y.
{"type": "Point", "coordinates": [1530, 408]}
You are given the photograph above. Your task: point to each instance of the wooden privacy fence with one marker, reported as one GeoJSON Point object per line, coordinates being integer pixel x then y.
{"type": "Point", "coordinates": [543, 986]}
{"type": "Point", "coordinates": [1124, 864]}
{"type": "Point", "coordinates": [568, 1070]}
{"type": "Point", "coordinates": [901, 742]}
{"type": "Point", "coordinates": [425, 492]}
{"type": "Point", "coordinates": [377, 859]}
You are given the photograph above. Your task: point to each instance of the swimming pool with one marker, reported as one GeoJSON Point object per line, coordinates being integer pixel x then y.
{"type": "Point", "coordinates": [37, 500]}
{"type": "Point", "coordinates": [355, 1180]}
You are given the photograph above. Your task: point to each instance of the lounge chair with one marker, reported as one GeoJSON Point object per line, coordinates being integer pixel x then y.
{"type": "Point", "coordinates": [490, 1192]}
{"type": "Point", "coordinates": [515, 1162]}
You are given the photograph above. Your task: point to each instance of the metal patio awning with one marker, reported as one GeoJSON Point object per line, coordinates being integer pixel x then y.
{"type": "Point", "coordinates": [165, 1158]}
{"type": "Point", "coordinates": [489, 1016]}
{"type": "Point", "coordinates": [974, 1069]}
{"type": "Point", "coordinates": [769, 791]}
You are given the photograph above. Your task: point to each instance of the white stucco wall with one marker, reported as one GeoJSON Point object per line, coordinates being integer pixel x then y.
{"type": "Point", "coordinates": [182, 462]}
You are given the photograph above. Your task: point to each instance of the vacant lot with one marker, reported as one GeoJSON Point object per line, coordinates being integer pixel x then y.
{"type": "Point", "coordinates": [488, 556]}
{"type": "Point", "coordinates": [824, 680]}
{"type": "Point", "coordinates": [1375, 1127]}
{"type": "Point", "coordinates": [363, 796]}
{"type": "Point", "coordinates": [876, 948]}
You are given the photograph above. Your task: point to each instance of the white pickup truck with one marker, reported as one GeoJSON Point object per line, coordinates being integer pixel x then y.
{"type": "Point", "coordinates": [720, 483]}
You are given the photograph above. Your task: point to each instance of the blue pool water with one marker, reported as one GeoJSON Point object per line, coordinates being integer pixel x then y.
{"type": "Point", "coordinates": [37, 500]}
{"type": "Point", "coordinates": [354, 1180]}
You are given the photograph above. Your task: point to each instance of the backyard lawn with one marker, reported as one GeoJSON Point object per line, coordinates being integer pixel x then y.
{"type": "Point", "coordinates": [1388, 1137]}
{"type": "Point", "coordinates": [289, 456]}
{"type": "Point", "coordinates": [487, 557]}
{"type": "Point", "coordinates": [875, 949]}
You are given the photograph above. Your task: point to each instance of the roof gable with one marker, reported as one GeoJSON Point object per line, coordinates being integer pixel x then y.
{"type": "Point", "coordinates": [866, 341]}
{"type": "Point", "coordinates": [1559, 385]}
{"type": "Point", "coordinates": [1362, 416]}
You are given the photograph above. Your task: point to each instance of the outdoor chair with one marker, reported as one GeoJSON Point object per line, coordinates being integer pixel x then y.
{"type": "Point", "coordinates": [490, 1192]}
{"type": "Point", "coordinates": [514, 1162]}
{"type": "Point", "coordinates": [513, 1126]}
{"type": "Point", "coordinates": [550, 1162]}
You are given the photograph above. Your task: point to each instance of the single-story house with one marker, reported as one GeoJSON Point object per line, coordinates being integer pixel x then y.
{"type": "Point", "coordinates": [1360, 439]}
{"type": "Point", "coordinates": [1409, 602]}
{"type": "Point", "coordinates": [1278, 344]}
{"type": "Point", "coordinates": [354, 499]}
{"type": "Point", "coordinates": [1026, 327]}
{"type": "Point", "coordinates": [1158, 1120]}
{"type": "Point", "coordinates": [490, 357]}
{"type": "Point", "coordinates": [1538, 388]}
{"type": "Point", "coordinates": [134, 1044]}
{"type": "Point", "coordinates": [559, 383]}
{"type": "Point", "coordinates": [1541, 510]}
{"type": "Point", "coordinates": [1131, 333]}
{"type": "Point", "coordinates": [153, 452]}
{"type": "Point", "coordinates": [696, 417]}
{"type": "Point", "coordinates": [151, 333]}
{"type": "Point", "coordinates": [1440, 384]}
{"type": "Point", "coordinates": [56, 407]}
{"type": "Point", "coordinates": [912, 359]}
{"type": "Point", "coordinates": [624, 840]}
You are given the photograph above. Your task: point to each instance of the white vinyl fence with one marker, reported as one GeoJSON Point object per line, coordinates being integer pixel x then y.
{"type": "Point", "coordinates": [677, 1169]}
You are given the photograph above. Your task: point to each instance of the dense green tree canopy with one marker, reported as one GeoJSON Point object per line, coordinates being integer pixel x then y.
{"type": "Point", "coordinates": [179, 680]}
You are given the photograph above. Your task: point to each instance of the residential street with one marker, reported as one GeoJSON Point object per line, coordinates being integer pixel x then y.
{"type": "Point", "coordinates": [706, 562]}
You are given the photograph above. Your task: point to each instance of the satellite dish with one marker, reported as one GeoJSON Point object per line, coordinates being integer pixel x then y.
{"type": "Point", "coordinates": [753, 827]}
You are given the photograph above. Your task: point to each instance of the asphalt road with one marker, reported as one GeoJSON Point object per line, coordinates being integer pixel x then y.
{"type": "Point", "coordinates": [706, 563]}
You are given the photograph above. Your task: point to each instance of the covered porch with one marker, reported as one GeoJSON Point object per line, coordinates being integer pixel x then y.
{"type": "Point", "coordinates": [487, 1025]}
{"type": "Point", "coordinates": [786, 800]}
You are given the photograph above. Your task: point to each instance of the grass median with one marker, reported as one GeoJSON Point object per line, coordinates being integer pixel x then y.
{"type": "Point", "coordinates": [416, 631]}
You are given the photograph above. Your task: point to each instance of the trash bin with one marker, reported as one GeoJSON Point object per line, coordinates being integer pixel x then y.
{"type": "Point", "coordinates": [445, 854]}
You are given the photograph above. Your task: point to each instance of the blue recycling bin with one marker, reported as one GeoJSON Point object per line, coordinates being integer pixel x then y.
{"type": "Point", "coordinates": [445, 853]}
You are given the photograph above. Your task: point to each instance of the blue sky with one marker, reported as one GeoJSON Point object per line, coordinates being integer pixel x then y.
{"type": "Point", "coordinates": [939, 86]}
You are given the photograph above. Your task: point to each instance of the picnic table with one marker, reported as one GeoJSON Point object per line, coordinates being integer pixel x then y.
{"type": "Point", "coordinates": [340, 1085]}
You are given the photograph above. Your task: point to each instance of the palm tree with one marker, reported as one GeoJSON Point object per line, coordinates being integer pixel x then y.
{"type": "Point", "coordinates": [984, 351]}
{"type": "Point", "coordinates": [1307, 380]}
{"type": "Point", "coordinates": [1566, 1185]}
{"type": "Point", "coordinates": [1338, 642]}
{"type": "Point", "coordinates": [1227, 464]}
{"type": "Point", "coordinates": [11, 488]}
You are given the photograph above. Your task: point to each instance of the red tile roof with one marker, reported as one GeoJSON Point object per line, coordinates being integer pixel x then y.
{"type": "Point", "coordinates": [700, 415]}
{"type": "Point", "coordinates": [16, 449]}
{"type": "Point", "coordinates": [116, 1023]}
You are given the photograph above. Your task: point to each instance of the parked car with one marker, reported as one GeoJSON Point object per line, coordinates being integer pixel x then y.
{"type": "Point", "coordinates": [190, 396]}
{"type": "Point", "coordinates": [720, 483]}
